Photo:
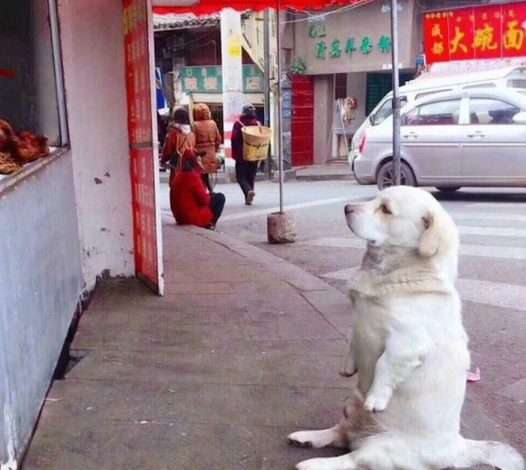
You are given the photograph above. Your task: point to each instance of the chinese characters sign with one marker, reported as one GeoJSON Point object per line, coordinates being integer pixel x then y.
{"type": "Point", "coordinates": [210, 79]}
{"type": "Point", "coordinates": [494, 31]}
{"type": "Point", "coordinates": [142, 154]}
{"type": "Point", "coordinates": [324, 49]}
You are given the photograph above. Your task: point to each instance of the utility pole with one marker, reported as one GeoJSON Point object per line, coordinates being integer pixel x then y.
{"type": "Point", "coordinates": [279, 127]}
{"type": "Point", "coordinates": [281, 226]}
{"type": "Point", "coordinates": [266, 71]}
{"type": "Point", "coordinates": [232, 70]}
{"type": "Point", "coordinates": [396, 99]}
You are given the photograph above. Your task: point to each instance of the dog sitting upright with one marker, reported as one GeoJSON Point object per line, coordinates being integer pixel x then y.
{"type": "Point", "coordinates": [408, 346]}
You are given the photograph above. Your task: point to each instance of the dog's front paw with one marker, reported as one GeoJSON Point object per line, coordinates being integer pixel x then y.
{"type": "Point", "coordinates": [348, 371]}
{"type": "Point", "coordinates": [378, 400]}
{"type": "Point", "coordinates": [312, 464]}
{"type": "Point", "coordinates": [300, 439]}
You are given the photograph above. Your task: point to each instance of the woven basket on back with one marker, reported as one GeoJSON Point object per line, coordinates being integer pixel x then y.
{"type": "Point", "coordinates": [256, 141]}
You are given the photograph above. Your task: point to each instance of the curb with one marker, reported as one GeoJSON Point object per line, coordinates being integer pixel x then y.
{"type": "Point", "coordinates": [333, 177]}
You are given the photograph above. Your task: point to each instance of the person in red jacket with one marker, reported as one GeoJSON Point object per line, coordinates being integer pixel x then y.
{"type": "Point", "coordinates": [189, 200]}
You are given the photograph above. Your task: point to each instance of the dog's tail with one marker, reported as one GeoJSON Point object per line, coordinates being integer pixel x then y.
{"type": "Point", "coordinates": [492, 453]}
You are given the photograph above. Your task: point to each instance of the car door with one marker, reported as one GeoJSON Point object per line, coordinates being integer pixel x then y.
{"type": "Point", "coordinates": [431, 138]}
{"type": "Point", "coordinates": [494, 149]}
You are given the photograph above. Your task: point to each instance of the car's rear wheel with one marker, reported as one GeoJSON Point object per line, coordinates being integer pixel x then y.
{"type": "Point", "coordinates": [448, 189]}
{"type": "Point", "coordinates": [385, 176]}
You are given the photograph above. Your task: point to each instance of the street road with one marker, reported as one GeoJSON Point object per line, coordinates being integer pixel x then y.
{"type": "Point", "coordinates": [492, 270]}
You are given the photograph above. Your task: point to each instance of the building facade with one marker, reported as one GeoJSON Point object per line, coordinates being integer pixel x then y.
{"type": "Point", "coordinates": [346, 53]}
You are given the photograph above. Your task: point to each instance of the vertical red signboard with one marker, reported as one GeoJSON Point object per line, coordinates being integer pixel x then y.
{"type": "Point", "coordinates": [485, 32]}
{"type": "Point", "coordinates": [139, 74]}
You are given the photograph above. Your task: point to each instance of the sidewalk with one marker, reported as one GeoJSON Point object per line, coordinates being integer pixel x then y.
{"type": "Point", "coordinates": [243, 349]}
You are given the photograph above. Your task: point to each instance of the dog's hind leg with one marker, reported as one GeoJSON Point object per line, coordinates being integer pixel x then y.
{"type": "Point", "coordinates": [377, 453]}
{"type": "Point", "coordinates": [492, 453]}
{"type": "Point", "coordinates": [343, 462]}
{"type": "Point", "coordinates": [332, 437]}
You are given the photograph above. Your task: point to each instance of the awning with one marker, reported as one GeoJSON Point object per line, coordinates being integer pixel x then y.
{"type": "Point", "coordinates": [211, 6]}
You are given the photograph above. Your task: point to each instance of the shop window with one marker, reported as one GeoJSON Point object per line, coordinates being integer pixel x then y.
{"type": "Point", "coordinates": [378, 85]}
{"type": "Point", "coordinates": [31, 86]}
{"type": "Point", "coordinates": [340, 86]}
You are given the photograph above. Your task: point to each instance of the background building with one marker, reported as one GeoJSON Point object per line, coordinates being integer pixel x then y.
{"type": "Point", "coordinates": [188, 53]}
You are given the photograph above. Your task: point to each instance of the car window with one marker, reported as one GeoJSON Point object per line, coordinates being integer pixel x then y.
{"type": "Point", "coordinates": [480, 85]}
{"type": "Point", "coordinates": [491, 111]}
{"type": "Point", "coordinates": [429, 93]}
{"type": "Point", "coordinates": [386, 110]}
{"type": "Point", "coordinates": [435, 113]}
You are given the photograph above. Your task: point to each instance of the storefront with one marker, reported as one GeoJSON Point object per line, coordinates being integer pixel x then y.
{"type": "Point", "coordinates": [81, 72]}
{"type": "Point", "coordinates": [346, 53]}
{"type": "Point", "coordinates": [75, 215]}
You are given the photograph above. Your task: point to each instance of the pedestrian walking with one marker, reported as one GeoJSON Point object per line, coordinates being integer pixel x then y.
{"type": "Point", "coordinates": [189, 200]}
{"type": "Point", "coordinates": [245, 170]}
{"type": "Point", "coordinates": [207, 137]}
{"type": "Point", "coordinates": [179, 139]}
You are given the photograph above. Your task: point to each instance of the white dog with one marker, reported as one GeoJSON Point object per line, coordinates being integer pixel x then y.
{"type": "Point", "coordinates": [408, 346]}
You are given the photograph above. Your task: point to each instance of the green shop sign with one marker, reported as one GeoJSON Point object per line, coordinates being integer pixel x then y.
{"type": "Point", "coordinates": [326, 48]}
{"type": "Point", "coordinates": [210, 79]}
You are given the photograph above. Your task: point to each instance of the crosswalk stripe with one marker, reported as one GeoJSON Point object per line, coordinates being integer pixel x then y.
{"type": "Point", "coordinates": [499, 205]}
{"type": "Point", "coordinates": [483, 216]}
{"type": "Point", "coordinates": [483, 251]}
{"type": "Point", "coordinates": [492, 231]}
{"type": "Point", "coordinates": [269, 210]}
{"type": "Point", "coordinates": [496, 294]}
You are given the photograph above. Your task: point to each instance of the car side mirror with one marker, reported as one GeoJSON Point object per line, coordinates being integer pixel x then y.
{"type": "Point", "coordinates": [371, 119]}
{"type": "Point", "coordinates": [520, 118]}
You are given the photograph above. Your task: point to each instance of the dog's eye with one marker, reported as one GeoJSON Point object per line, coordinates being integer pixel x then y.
{"type": "Point", "coordinates": [385, 209]}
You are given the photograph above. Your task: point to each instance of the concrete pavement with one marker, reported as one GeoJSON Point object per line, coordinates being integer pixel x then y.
{"type": "Point", "coordinates": [243, 349]}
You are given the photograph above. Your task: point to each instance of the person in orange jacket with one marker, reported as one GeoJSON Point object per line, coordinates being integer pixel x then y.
{"type": "Point", "coordinates": [207, 136]}
{"type": "Point", "coordinates": [189, 200]}
{"type": "Point", "coordinates": [180, 138]}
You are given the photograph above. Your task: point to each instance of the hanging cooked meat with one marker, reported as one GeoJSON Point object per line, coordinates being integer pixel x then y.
{"type": "Point", "coordinates": [6, 134]}
{"type": "Point", "coordinates": [24, 147]}
{"type": "Point", "coordinates": [8, 164]}
{"type": "Point", "coordinates": [27, 147]}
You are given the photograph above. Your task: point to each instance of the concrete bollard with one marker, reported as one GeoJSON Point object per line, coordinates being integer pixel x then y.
{"type": "Point", "coordinates": [281, 228]}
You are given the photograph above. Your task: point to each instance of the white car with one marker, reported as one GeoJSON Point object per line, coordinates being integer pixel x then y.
{"type": "Point", "coordinates": [463, 138]}
{"type": "Point", "coordinates": [436, 81]}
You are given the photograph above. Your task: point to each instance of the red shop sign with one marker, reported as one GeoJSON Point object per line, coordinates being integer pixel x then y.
{"type": "Point", "coordinates": [486, 32]}
{"type": "Point", "coordinates": [146, 226]}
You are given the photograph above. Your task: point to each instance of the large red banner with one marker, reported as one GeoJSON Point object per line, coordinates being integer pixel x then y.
{"type": "Point", "coordinates": [141, 139]}
{"type": "Point", "coordinates": [486, 32]}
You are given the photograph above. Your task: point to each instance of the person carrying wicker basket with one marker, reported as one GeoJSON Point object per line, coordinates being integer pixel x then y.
{"type": "Point", "coordinates": [245, 170]}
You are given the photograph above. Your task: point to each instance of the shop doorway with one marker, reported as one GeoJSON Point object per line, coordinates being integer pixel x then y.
{"type": "Point", "coordinates": [302, 126]}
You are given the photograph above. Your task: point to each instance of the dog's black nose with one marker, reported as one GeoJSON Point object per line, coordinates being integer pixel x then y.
{"type": "Point", "coordinates": [348, 209]}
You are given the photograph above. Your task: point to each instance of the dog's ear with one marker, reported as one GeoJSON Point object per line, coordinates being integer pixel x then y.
{"type": "Point", "coordinates": [440, 234]}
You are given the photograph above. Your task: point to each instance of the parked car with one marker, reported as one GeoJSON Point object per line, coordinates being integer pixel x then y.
{"type": "Point", "coordinates": [473, 137]}
{"type": "Point", "coordinates": [432, 82]}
